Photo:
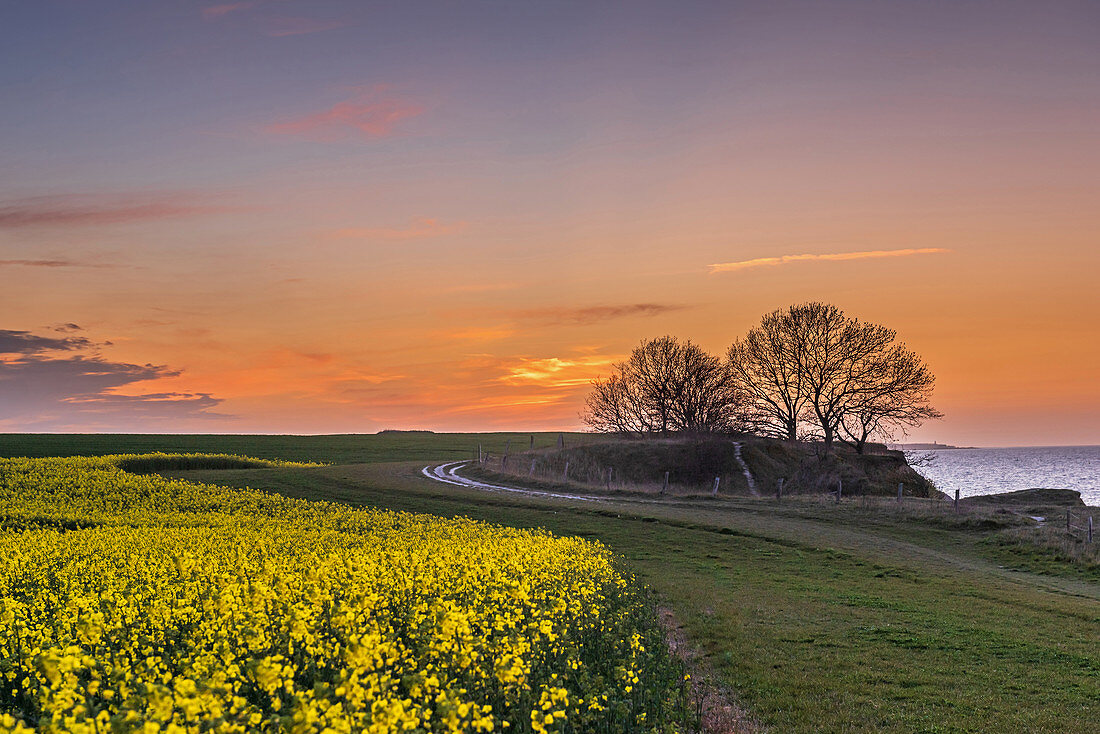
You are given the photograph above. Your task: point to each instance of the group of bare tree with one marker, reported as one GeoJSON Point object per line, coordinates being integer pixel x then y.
{"type": "Point", "coordinates": [805, 372]}
{"type": "Point", "coordinates": [665, 386]}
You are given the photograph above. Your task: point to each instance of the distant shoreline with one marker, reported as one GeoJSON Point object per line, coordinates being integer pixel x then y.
{"type": "Point", "coordinates": [925, 446]}
{"type": "Point", "coordinates": [942, 446]}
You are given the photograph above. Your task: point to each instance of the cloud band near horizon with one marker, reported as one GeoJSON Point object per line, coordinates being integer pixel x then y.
{"type": "Point", "coordinates": [760, 262]}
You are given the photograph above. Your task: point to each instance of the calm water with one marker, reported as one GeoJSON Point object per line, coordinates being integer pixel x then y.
{"type": "Point", "coordinates": [989, 471]}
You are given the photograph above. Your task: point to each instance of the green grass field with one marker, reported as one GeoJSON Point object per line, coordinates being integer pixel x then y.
{"type": "Point", "coordinates": [333, 449]}
{"type": "Point", "coordinates": [858, 617]}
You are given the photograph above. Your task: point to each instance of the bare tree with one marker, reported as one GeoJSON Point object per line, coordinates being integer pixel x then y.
{"type": "Point", "coordinates": [705, 397]}
{"type": "Point", "coordinates": [805, 371]}
{"type": "Point", "coordinates": [896, 395]}
{"type": "Point", "coordinates": [766, 369]}
{"type": "Point", "coordinates": [666, 385]}
{"type": "Point", "coordinates": [857, 380]}
{"type": "Point", "coordinates": [612, 406]}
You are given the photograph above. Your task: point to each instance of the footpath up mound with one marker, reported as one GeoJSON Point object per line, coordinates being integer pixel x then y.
{"type": "Point", "coordinates": [693, 462]}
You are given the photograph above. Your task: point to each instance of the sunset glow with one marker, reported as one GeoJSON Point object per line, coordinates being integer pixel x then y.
{"type": "Point", "coordinates": [328, 217]}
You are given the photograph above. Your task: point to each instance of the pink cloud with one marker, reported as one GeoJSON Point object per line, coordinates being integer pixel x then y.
{"type": "Point", "coordinates": [279, 27]}
{"type": "Point", "coordinates": [80, 210]}
{"type": "Point", "coordinates": [216, 11]}
{"type": "Point", "coordinates": [594, 314]}
{"type": "Point", "coordinates": [53, 264]}
{"type": "Point", "coordinates": [371, 113]}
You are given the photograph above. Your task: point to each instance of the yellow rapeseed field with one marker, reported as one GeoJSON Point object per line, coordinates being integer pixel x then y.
{"type": "Point", "coordinates": [134, 603]}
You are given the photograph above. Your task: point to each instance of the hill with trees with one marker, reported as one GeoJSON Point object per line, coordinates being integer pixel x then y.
{"type": "Point", "coordinates": [808, 373]}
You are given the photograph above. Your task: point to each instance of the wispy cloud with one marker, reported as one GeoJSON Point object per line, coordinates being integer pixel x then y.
{"type": "Point", "coordinates": [53, 264]}
{"type": "Point", "coordinates": [77, 210]}
{"type": "Point", "coordinates": [594, 314]}
{"type": "Point", "coordinates": [370, 114]}
{"type": "Point", "coordinates": [493, 405]}
{"type": "Point", "coordinates": [217, 11]}
{"type": "Point", "coordinates": [761, 262]}
{"type": "Point", "coordinates": [419, 229]}
{"type": "Point", "coordinates": [554, 372]}
{"type": "Point", "coordinates": [286, 26]}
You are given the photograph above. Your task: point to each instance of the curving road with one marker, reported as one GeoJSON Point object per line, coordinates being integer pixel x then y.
{"type": "Point", "coordinates": [449, 474]}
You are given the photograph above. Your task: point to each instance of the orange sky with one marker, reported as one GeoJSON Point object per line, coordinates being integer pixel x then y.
{"type": "Point", "coordinates": [460, 238]}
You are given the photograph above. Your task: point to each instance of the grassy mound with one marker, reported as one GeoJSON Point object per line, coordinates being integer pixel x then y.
{"type": "Point", "coordinates": [693, 463]}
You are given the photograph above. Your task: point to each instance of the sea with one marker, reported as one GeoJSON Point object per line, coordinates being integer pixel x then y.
{"type": "Point", "coordinates": [990, 471]}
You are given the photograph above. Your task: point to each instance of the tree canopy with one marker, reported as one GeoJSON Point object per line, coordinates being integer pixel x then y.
{"type": "Point", "coordinates": [808, 370]}
{"type": "Point", "coordinates": [664, 386]}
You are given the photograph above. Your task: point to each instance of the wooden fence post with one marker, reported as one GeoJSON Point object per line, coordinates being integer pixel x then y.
{"type": "Point", "coordinates": [901, 486]}
{"type": "Point", "coordinates": [531, 471]}
{"type": "Point", "coordinates": [839, 489]}
{"type": "Point", "coordinates": [561, 441]}
{"type": "Point", "coordinates": [480, 458]}
{"type": "Point", "coordinates": [609, 470]}
{"type": "Point", "coordinates": [779, 488]}
{"type": "Point", "coordinates": [665, 485]}
{"type": "Point", "coordinates": [956, 501]}
{"type": "Point", "coordinates": [532, 442]}
{"type": "Point", "coordinates": [565, 474]}
{"type": "Point", "coordinates": [717, 479]}
{"type": "Point", "coordinates": [1089, 539]}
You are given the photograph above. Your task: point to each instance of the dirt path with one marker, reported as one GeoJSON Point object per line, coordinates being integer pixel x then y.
{"type": "Point", "coordinates": [745, 468]}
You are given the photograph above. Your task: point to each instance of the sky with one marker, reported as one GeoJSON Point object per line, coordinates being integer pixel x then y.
{"type": "Point", "coordinates": [284, 216]}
